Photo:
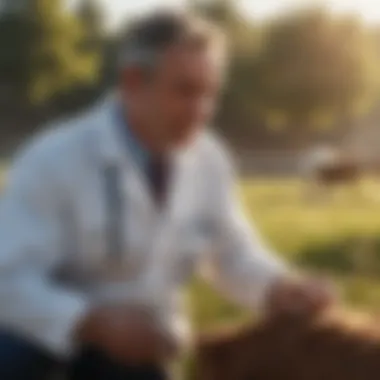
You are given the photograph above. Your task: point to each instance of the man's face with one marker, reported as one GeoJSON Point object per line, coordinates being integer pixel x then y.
{"type": "Point", "coordinates": [180, 96]}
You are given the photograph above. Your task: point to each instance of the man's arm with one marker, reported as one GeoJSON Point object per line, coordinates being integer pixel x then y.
{"type": "Point", "coordinates": [239, 264]}
{"type": "Point", "coordinates": [31, 248]}
{"type": "Point", "coordinates": [245, 270]}
{"type": "Point", "coordinates": [33, 238]}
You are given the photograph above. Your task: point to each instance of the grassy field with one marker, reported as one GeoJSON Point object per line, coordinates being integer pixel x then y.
{"type": "Point", "coordinates": [338, 234]}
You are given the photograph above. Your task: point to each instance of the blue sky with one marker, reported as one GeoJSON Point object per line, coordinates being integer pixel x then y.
{"type": "Point", "coordinates": [369, 10]}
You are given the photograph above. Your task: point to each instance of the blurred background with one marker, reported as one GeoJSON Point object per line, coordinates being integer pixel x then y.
{"type": "Point", "coordinates": [301, 111]}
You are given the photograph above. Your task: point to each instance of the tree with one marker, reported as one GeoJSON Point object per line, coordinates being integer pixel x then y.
{"type": "Point", "coordinates": [59, 61]}
{"type": "Point", "coordinates": [91, 16]}
{"type": "Point", "coordinates": [315, 69]}
{"type": "Point", "coordinates": [243, 44]}
{"type": "Point", "coordinates": [15, 32]}
{"type": "Point", "coordinates": [227, 15]}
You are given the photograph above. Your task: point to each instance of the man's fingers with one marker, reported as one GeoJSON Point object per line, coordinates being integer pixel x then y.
{"type": "Point", "coordinates": [133, 335]}
{"type": "Point", "coordinates": [302, 296]}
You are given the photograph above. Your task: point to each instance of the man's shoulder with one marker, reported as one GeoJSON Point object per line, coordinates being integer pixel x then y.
{"type": "Point", "coordinates": [215, 152]}
{"type": "Point", "coordinates": [58, 142]}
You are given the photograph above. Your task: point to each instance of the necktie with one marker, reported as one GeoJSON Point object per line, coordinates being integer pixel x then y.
{"type": "Point", "coordinates": [158, 176]}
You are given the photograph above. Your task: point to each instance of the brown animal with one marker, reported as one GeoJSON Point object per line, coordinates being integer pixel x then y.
{"type": "Point", "coordinates": [344, 172]}
{"type": "Point", "coordinates": [328, 347]}
{"type": "Point", "coordinates": [329, 166]}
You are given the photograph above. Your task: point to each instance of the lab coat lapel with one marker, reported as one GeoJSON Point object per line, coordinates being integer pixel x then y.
{"type": "Point", "coordinates": [115, 152]}
{"type": "Point", "coordinates": [162, 242]}
{"type": "Point", "coordinates": [165, 244]}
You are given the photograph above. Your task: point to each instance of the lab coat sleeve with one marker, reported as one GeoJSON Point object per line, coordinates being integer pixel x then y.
{"type": "Point", "coordinates": [239, 264]}
{"type": "Point", "coordinates": [31, 241]}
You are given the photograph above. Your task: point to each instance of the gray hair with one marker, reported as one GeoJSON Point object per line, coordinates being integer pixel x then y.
{"type": "Point", "coordinates": [147, 38]}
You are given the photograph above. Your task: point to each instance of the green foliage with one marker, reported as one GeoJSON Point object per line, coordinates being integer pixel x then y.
{"type": "Point", "coordinates": [304, 71]}
{"type": "Point", "coordinates": [299, 73]}
{"type": "Point", "coordinates": [350, 255]}
{"type": "Point", "coordinates": [330, 255]}
{"type": "Point", "coordinates": [15, 51]}
{"type": "Point", "coordinates": [60, 63]}
{"type": "Point", "coordinates": [92, 17]}
{"type": "Point", "coordinates": [45, 52]}
{"type": "Point", "coordinates": [315, 68]}
{"type": "Point", "coordinates": [225, 13]}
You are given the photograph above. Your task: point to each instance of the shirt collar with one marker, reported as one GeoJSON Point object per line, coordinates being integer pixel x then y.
{"type": "Point", "coordinates": [131, 142]}
{"type": "Point", "coordinates": [116, 140]}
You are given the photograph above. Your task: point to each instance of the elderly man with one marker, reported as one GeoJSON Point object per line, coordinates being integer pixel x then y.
{"type": "Point", "coordinates": [107, 215]}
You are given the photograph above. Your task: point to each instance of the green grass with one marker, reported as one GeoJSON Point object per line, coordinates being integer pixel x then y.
{"type": "Point", "coordinates": [288, 219]}
{"type": "Point", "coordinates": [333, 230]}
{"type": "Point", "coordinates": [293, 225]}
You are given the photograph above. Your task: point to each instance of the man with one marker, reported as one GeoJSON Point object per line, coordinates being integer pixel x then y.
{"type": "Point", "coordinates": [106, 216]}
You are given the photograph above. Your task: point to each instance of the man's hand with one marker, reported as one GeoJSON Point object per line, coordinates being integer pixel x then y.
{"type": "Point", "coordinates": [127, 334]}
{"type": "Point", "coordinates": [300, 296]}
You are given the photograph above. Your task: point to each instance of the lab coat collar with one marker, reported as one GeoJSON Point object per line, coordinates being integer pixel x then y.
{"type": "Point", "coordinates": [113, 150]}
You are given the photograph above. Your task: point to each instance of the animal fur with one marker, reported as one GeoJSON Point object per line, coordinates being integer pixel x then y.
{"type": "Point", "coordinates": [328, 347]}
{"type": "Point", "coordinates": [339, 173]}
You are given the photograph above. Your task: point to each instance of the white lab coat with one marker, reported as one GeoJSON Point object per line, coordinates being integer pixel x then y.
{"type": "Point", "coordinates": [55, 260]}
